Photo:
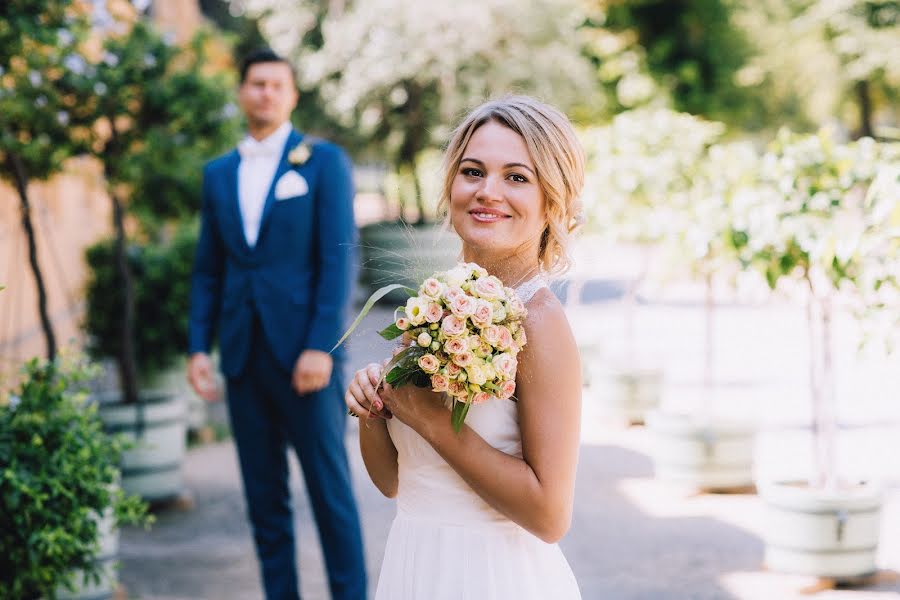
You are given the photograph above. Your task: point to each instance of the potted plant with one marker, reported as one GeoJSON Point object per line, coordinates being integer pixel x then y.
{"type": "Point", "coordinates": [641, 170]}
{"type": "Point", "coordinates": [823, 226]}
{"type": "Point", "coordinates": [60, 505]}
{"type": "Point", "coordinates": [699, 447]}
{"type": "Point", "coordinates": [151, 114]}
{"type": "Point", "coordinates": [161, 272]}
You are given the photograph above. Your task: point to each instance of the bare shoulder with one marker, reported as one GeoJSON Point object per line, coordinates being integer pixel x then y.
{"type": "Point", "coordinates": [550, 346]}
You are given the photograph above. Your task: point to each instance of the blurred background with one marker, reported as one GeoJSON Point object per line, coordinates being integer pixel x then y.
{"type": "Point", "coordinates": [734, 292]}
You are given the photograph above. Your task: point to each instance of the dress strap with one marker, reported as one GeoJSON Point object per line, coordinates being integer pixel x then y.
{"type": "Point", "coordinates": [527, 289]}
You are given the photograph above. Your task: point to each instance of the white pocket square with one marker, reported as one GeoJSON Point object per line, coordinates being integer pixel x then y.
{"type": "Point", "coordinates": [290, 185]}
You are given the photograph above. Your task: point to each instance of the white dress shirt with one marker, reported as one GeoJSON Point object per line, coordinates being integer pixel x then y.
{"type": "Point", "coordinates": [259, 162]}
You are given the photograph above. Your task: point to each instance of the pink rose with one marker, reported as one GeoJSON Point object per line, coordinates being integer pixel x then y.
{"type": "Point", "coordinates": [453, 325]}
{"type": "Point", "coordinates": [463, 359]}
{"type": "Point", "coordinates": [424, 339]}
{"type": "Point", "coordinates": [507, 389]}
{"type": "Point", "coordinates": [433, 312]}
{"type": "Point", "coordinates": [491, 334]}
{"type": "Point", "coordinates": [458, 389]}
{"type": "Point", "coordinates": [484, 349]}
{"type": "Point", "coordinates": [489, 287]}
{"type": "Point", "coordinates": [453, 369]}
{"type": "Point", "coordinates": [515, 307]}
{"type": "Point", "coordinates": [429, 363]}
{"type": "Point", "coordinates": [455, 346]}
{"type": "Point", "coordinates": [402, 323]}
{"type": "Point", "coordinates": [462, 305]}
{"type": "Point", "coordinates": [432, 287]}
{"type": "Point", "coordinates": [481, 397]}
{"type": "Point", "coordinates": [439, 383]}
{"type": "Point", "coordinates": [506, 339]}
{"type": "Point", "coordinates": [505, 365]}
{"type": "Point", "coordinates": [453, 292]}
{"type": "Point", "coordinates": [483, 314]}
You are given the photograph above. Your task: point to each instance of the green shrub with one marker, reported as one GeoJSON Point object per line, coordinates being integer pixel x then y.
{"type": "Point", "coordinates": [162, 284]}
{"type": "Point", "coordinates": [59, 472]}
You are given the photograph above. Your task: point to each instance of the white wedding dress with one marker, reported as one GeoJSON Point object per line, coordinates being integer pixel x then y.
{"type": "Point", "coordinates": [446, 543]}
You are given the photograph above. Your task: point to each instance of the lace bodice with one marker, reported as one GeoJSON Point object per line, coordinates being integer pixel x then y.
{"type": "Point", "coordinates": [529, 288]}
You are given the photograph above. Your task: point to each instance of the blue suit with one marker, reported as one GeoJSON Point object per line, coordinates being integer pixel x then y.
{"type": "Point", "coordinates": [268, 303]}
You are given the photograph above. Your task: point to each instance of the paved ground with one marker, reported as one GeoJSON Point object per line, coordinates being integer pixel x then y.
{"type": "Point", "coordinates": [632, 537]}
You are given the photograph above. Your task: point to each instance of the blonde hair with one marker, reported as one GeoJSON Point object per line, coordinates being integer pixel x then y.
{"type": "Point", "coordinates": [558, 160]}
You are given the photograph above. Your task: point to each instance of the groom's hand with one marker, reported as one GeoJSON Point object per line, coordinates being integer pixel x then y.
{"type": "Point", "coordinates": [312, 371]}
{"type": "Point", "coordinates": [201, 376]}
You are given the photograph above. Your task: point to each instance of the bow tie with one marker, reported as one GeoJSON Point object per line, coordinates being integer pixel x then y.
{"type": "Point", "coordinates": [250, 148]}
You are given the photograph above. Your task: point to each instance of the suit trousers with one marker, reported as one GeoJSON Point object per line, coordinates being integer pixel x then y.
{"type": "Point", "coordinates": [266, 416]}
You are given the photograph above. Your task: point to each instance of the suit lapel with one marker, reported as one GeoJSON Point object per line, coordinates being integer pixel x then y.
{"type": "Point", "coordinates": [283, 166]}
{"type": "Point", "coordinates": [234, 203]}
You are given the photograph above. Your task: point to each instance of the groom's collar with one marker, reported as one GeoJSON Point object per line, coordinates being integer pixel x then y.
{"type": "Point", "coordinates": [271, 145]}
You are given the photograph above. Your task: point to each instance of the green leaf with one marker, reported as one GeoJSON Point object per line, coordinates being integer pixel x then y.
{"type": "Point", "coordinates": [375, 297]}
{"type": "Point", "coordinates": [391, 332]}
{"type": "Point", "coordinates": [458, 415]}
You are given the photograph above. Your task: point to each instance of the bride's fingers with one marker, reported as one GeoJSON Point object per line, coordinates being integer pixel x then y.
{"type": "Point", "coordinates": [358, 397]}
{"type": "Point", "coordinates": [368, 388]}
{"type": "Point", "coordinates": [374, 371]}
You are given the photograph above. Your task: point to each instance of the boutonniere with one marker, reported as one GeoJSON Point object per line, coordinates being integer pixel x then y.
{"type": "Point", "coordinates": [300, 154]}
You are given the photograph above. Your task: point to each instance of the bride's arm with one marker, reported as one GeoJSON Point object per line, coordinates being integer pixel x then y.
{"type": "Point", "coordinates": [537, 491]}
{"type": "Point", "coordinates": [378, 450]}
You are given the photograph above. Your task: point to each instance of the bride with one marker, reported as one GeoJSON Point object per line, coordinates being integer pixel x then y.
{"type": "Point", "coordinates": [479, 512]}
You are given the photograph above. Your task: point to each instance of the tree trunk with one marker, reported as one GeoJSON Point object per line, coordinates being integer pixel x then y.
{"type": "Point", "coordinates": [824, 426]}
{"type": "Point", "coordinates": [864, 97]}
{"type": "Point", "coordinates": [21, 177]}
{"type": "Point", "coordinates": [709, 306]}
{"type": "Point", "coordinates": [126, 359]}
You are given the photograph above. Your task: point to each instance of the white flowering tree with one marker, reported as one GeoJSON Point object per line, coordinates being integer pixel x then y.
{"type": "Point", "coordinates": [722, 184]}
{"type": "Point", "coordinates": [400, 72]}
{"type": "Point", "coordinates": [820, 221]}
{"type": "Point", "coordinates": [639, 182]}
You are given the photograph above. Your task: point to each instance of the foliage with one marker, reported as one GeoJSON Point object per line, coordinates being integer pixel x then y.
{"type": "Point", "coordinates": [60, 472]}
{"type": "Point", "coordinates": [834, 57]}
{"type": "Point", "coordinates": [400, 81]}
{"type": "Point", "coordinates": [35, 93]}
{"type": "Point", "coordinates": [162, 273]}
{"type": "Point", "coordinates": [813, 216]}
{"type": "Point", "coordinates": [641, 168]}
{"type": "Point", "coordinates": [693, 50]}
{"type": "Point", "coordinates": [152, 115]}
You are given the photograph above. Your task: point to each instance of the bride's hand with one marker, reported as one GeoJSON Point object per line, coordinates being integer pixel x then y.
{"type": "Point", "coordinates": [362, 398]}
{"type": "Point", "coordinates": [413, 405]}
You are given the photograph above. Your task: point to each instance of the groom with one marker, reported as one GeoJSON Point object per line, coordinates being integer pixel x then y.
{"type": "Point", "coordinates": [272, 277]}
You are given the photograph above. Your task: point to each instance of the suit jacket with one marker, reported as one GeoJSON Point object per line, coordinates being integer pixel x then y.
{"type": "Point", "coordinates": [296, 279]}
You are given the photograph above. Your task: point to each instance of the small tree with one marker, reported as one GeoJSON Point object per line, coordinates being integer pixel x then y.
{"type": "Point", "coordinates": [700, 239]}
{"type": "Point", "coordinates": [640, 177]}
{"type": "Point", "coordinates": [35, 103]}
{"type": "Point", "coordinates": [815, 223]}
{"type": "Point", "coordinates": [151, 115]}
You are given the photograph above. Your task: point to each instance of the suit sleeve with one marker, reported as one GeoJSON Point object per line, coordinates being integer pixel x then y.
{"type": "Point", "coordinates": [206, 280]}
{"type": "Point", "coordinates": [336, 238]}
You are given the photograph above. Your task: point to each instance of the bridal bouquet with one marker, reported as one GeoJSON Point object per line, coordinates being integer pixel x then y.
{"type": "Point", "coordinates": [462, 331]}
